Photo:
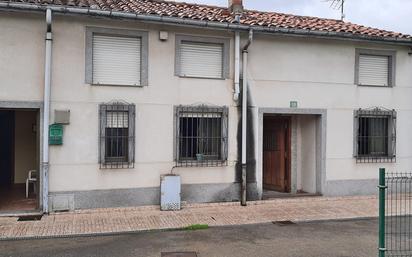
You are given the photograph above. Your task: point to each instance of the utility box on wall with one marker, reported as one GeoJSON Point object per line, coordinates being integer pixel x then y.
{"type": "Point", "coordinates": [170, 189]}
{"type": "Point", "coordinates": [56, 134]}
{"type": "Point", "coordinates": [62, 117]}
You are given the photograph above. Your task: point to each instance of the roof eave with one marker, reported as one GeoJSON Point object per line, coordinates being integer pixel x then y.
{"type": "Point", "coordinates": [333, 35]}
{"type": "Point", "coordinates": [203, 23]}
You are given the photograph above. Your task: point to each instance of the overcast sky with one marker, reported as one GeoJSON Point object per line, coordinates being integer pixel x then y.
{"type": "Point", "coordinates": [394, 15]}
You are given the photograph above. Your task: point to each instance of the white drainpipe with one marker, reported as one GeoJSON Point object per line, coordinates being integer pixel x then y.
{"type": "Point", "coordinates": [46, 112]}
{"type": "Point", "coordinates": [244, 118]}
{"type": "Point", "coordinates": [237, 66]}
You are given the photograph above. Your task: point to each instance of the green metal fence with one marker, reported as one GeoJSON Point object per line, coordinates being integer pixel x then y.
{"type": "Point", "coordinates": [395, 220]}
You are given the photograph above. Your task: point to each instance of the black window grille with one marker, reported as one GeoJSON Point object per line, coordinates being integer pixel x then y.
{"type": "Point", "coordinates": [201, 138]}
{"type": "Point", "coordinates": [375, 135]}
{"type": "Point", "coordinates": [117, 139]}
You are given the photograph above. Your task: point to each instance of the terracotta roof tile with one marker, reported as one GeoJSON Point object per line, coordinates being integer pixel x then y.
{"type": "Point", "coordinates": [221, 14]}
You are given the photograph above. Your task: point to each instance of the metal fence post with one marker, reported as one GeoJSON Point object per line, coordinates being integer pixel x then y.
{"type": "Point", "coordinates": [382, 187]}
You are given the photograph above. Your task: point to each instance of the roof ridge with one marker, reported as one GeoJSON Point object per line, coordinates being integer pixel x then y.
{"type": "Point", "coordinates": [291, 14]}
{"type": "Point", "coordinates": [186, 3]}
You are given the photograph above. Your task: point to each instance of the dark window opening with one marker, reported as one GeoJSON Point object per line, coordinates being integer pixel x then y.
{"type": "Point", "coordinates": [201, 138]}
{"type": "Point", "coordinates": [117, 144]}
{"type": "Point", "coordinates": [373, 136]}
{"type": "Point", "coordinates": [376, 135]}
{"type": "Point", "coordinates": [117, 135]}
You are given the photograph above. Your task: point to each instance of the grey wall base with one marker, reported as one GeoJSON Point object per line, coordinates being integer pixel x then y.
{"type": "Point", "coordinates": [204, 193]}
{"type": "Point", "coordinates": [191, 193]}
{"type": "Point", "coordinates": [351, 187]}
{"type": "Point", "coordinates": [252, 192]}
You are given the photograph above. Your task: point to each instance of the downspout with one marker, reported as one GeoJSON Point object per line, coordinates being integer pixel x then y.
{"type": "Point", "coordinates": [244, 117]}
{"type": "Point", "coordinates": [237, 63]}
{"type": "Point", "coordinates": [46, 111]}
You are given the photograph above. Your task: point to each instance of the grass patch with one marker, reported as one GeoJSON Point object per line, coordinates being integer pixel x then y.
{"type": "Point", "coordinates": [197, 227]}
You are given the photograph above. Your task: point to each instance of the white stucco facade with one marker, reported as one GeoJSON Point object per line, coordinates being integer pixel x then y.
{"type": "Point", "coordinates": [320, 74]}
{"type": "Point", "coordinates": [317, 73]}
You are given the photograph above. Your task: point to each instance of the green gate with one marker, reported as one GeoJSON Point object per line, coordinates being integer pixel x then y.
{"type": "Point", "coordinates": [395, 220]}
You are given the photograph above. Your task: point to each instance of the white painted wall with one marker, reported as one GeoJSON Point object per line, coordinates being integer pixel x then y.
{"type": "Point", "coordinates": [306, 154]}
{"type": "Point", "coordinates": [74, 165]}
{"type": "Point", "coordinates": [316, 73]}
{"type": "Point", "coordinates": [319, 74]}
{"type": "Point", "coordinates": [26, 147]}
{"type": "Point", "coordinates": [21, 57]}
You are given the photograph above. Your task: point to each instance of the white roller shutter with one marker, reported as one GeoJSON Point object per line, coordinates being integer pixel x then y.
{"type": "Point", "coordinates": [373, 70]}
{"type": "Point", "coordinates": [116, 60]}
{"type": "Point", "coordinates": [204, 60]}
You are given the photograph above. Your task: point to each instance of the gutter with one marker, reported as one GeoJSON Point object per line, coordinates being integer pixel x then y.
{"type": "Point", "coordinates": [244, 119]}
{"type": "Point", "coordinates": [46, 114]}
{"type": "Point", "coordinates": [201, 23]}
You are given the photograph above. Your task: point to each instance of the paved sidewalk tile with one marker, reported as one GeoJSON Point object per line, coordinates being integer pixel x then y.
{"type": "Point", "coordinates": [117, 220]}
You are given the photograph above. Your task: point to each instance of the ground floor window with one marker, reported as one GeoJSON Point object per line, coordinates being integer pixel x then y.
{"type": "Point", "coordinates": [117, 139]}
{"type": "Point", "coordinates": [375, 135]}
{"type": "Point", "coordinates": [201, 138]}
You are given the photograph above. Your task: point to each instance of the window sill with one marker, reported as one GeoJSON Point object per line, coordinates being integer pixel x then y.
{"type": "Point", "coordinates": [194, 77]}
{"type": "Point", "coordinates": [375, 159]}
{"type": "Point", "coordinates": [115, 85]}
{"type": "Point", "coordinates": [116, 165]}
{"type": "Point", "coordinates": [361, 85]}
{"type": "Point", "coordinates": [204, 163]}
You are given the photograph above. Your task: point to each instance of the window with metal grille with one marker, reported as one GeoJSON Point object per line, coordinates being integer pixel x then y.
{"type": "Point", "coordinates": [375, 68]}
{"type": "Point", "coordinates": [375, 135]}
{"type": "Point", "coordinates": [201, 135]}
{"type": "Point", "coordinates": [117, 139]}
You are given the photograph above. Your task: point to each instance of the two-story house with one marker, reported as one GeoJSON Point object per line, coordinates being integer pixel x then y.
{"type": "Point", "coordinates": [98, 99]}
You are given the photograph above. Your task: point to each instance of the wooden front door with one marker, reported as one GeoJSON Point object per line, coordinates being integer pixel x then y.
{"type": "Point", "coordinates": [276, 153]}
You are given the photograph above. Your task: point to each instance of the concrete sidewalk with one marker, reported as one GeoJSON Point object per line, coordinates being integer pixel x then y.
{"type": "Point", "coordinates": [120, 220]}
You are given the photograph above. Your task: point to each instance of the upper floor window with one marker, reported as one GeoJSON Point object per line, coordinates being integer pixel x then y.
{"type": "Point", "coordinates": [201, 137]}
{"type": "Point", "coordinates": [202, 57]}
{"type": "Point", "coordinates": [116, 57]}
{"type": "Point", "coordinates": [375, 135]}
{"type": "Point", "coordinates": [117, 139]}
{"type": "Point", "coordinates": [375, 68]}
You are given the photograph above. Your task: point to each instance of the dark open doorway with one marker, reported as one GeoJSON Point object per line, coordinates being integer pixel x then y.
{"type": "Point", "coordinates": [19, 160]}
{"type": "Point", "coordinates": [6, 148]}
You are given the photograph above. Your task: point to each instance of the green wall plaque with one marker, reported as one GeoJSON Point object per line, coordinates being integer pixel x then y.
{"type": "Point", "coordinates": [56, 134]}
{"type": "Point", "coordinates": [293, 104]}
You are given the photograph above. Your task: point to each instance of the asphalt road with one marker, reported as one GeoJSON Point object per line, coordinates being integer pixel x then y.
{"type": "Point", "coordinates": [315, 239]}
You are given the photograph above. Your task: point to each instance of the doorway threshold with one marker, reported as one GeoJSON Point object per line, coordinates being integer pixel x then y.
{"type": "Point", "coordinates": [20, 213]}
{"type": "Point", "coordinates": [269, 194]}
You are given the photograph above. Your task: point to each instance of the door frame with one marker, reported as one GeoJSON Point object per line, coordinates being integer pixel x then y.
{"type": "Point", "coordinates": [288, 139]}
{"type": "Point", "coordinates": [13, 149]}
{"type": "Point", "coordinates": [11, 158]}
{"type": "Point", "coordinates": [37, 106]}
{"type": "Point", "coordinates": [321, 124]}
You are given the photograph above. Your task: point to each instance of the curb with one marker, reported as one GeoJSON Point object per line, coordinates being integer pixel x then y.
{"type": "Point", "coordinates": [102, 234]}
{"type": "Point", "coordinates": [135, 232]}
